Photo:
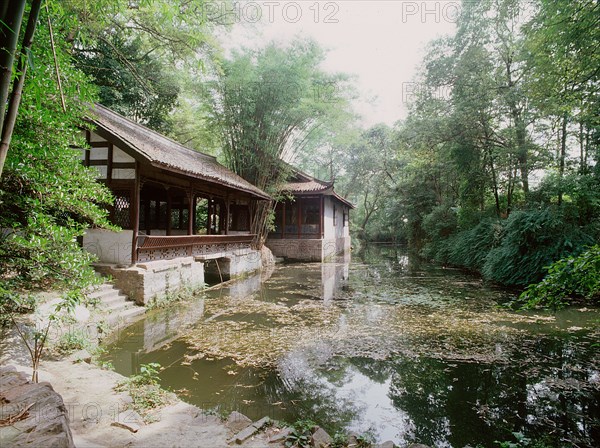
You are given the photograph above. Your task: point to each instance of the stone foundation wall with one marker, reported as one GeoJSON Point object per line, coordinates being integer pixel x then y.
{"type": "Point", "coordinates": [295, 249]}
{"type": "Point", "coordinates": [309, 250]}
{"type": "Point", "coordinates": [152, 280]}
{"type": "Point", "coordinates": [110, 247]}
{"type": "Point", "coordinates": [145, 282]}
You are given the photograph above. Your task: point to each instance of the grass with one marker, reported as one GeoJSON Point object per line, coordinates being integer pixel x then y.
{"type": "Point", "coordinates": [145, 391]}
{"type": "Point", "coordinates": [184, 294]}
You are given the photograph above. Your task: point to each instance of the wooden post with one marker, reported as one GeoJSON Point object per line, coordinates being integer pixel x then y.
{"type": "Point", "coordinates": [209, 218]}
{"type": "Point", "coordinates": [109, 163]}
{"type": "Point", "coordinates": [86, 155]}
{"type": "Point", "coordinates": [169, 212]}
{"type": "Point", "coordinates": [193, 217]}
{"type": "Point", "coordinates": [136, 214]}
{"type": "Point", "coordinates": [321, 216]}
{"type": "Point", "coordinates": [191, 200]}
{"type": "Point", "coordinates": [299, 205]}
{"type": "Point", "coordinates": [227, 210]}
{"type": "Point", "coordinates": [283, 222]}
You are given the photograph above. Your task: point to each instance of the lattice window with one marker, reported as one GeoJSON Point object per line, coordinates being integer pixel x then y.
{"type": "Point", "coordinates": [121, 215]}
{"type": "Point", "coordinates": [152, 216]}
{"type": "Point", "coordinates": [175, 223]}
{"type": "Point", "coordinates": [143, 215]}
{"type": "Point", "coordinates": [184, 219]}
{"type": "Point", "coordinates": [240, 219]}
{"type": "Point", "coordinates": [162, 217]}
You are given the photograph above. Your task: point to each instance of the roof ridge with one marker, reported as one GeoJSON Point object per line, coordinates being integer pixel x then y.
{"type": "Point", "coordinates": [158, 134]}
{"type": "Point", "coordinates": [298, 171]}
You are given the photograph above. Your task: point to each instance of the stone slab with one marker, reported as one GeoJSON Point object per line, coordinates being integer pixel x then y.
{"type": "Point", "coordinates": [237, 421]}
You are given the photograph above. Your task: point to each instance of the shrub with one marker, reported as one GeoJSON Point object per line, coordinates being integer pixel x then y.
{"type": "Point", "coordinates": [301, 434]}
{"type": "Point", "coordinates": [145, 390]}
{"type": "Point", "coordinates": [568, 277]}
{"type": "Point", "coordinates": [471, 247]}
{"type": "Point", "coordinates": [532, 240]}
{"type": "Point", "coordinates": [72, 341]}
{"type": "Point", "coordinates": [14, 303]}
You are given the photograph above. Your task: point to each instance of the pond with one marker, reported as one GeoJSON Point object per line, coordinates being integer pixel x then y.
{"type": "Point", "coordinates": [385, 344]}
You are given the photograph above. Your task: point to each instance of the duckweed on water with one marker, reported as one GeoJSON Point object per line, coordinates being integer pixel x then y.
{"type": "Point", "coordinates": [416, 353]}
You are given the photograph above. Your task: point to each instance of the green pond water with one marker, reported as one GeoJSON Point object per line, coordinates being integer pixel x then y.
{"type": "Point", "coordinates": [407, 351]}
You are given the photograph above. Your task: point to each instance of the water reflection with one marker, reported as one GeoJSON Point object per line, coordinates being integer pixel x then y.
{"type": "Point", "coordinates": [413, 352]}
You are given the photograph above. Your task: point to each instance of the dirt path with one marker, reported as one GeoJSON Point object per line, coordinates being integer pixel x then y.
{"type": "Point", "coordinates": [93, 406]}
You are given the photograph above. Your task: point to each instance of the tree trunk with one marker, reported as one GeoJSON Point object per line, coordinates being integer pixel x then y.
{"type": "Point", "coordinates": [11, 16]}
{"type": "Point", "coordinates": [495, 186]}
{"type": "Point", "coordinates": [15, 97]}
{"type": "Point", "coordinates": [561, 162]}
{"type": "Point", "coordinates": [259, 213]}
{"type": "Point", "coordinates": [520, 131]}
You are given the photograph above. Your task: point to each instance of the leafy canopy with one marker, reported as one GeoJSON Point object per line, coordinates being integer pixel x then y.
{"type": "Point", "coordinates": [47, 198]}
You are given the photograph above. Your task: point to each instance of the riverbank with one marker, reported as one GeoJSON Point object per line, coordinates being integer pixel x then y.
{"type": "Point", "coordinates": [100, 415]}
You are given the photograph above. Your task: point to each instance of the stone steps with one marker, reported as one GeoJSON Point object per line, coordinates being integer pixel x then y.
{"type": "Point", "coordinates": [114, 304]}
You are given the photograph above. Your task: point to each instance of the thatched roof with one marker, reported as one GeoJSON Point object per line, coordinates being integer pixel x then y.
{"type": "Point", "coordinates": [162, 152]}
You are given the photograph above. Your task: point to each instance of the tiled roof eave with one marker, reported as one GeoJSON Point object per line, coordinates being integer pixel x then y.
{"type": "Point", "coordinates": [120, 129]}
{"type": "Point", "coordinates": [196, 176]}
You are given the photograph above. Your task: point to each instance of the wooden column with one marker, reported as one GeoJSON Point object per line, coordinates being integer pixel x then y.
{"type": "Point", "coordinates": [136, 214]}
{"type": "Point", "coordinates": [321, 216]}
{"type": "Point", "coordinates": [209, 217]}
{"type": "Point", "coordinates": [299, 205]}
{"type": "Point", "coordinates": [109, 163]}
{"type": "Point", "coordinates": [283, 222]}
{"type": "Point", "coordinates": [86, 155]}
{"type": "Point", "coordinates": [169, 212]}
{"type": "Point", "coordinates": [191, 208]}
{"type": "Point", "coordinates": [227, 210]}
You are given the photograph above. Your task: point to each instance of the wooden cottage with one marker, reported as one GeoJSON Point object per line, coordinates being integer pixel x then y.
{"type": "Point", "coordinates": [314, 224]}
{"type": "Point", "coordinates": [177, 207]}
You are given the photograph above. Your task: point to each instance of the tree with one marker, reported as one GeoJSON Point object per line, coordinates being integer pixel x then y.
{"type": "Point", "coordinates": [131, 81]}
{"type": "Point", "coordinates": [11, 15]}
{"type": "Point", "coordinates": [369, 179]}
{"type": "Point", "coordinates": [564, 59]}
{"type": "Point", "coordinates": [9, 37]}
{"type": "Point", "coordinates": [268, 105]}
{"type": "Point", "coordinates": [47, 198]}
{"type": "Point", "coordinates": [504, 97]}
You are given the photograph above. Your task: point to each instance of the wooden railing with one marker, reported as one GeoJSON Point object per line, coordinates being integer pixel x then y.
{"type": "Point", "coordinates": [168, 247]}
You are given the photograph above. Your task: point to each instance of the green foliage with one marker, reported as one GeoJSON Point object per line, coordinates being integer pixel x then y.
{"type": "Point", "coordinates": [148, 376]}
{"type": "Point", "coordinates": [369, 184]}
{"type": "Point", "coordinates": [441, 222]}
{"type": "Point", "coordinates": [145, 390]}
{"type": "Point", "coordinates": [72, 341]}
{"type": "Point", "coordinates": [47, 198]}
{"type": "Point", "coordinates": [301, 434]}
{"type": "Point", "coordinates": [339, 440]}
{"type": "Point", "coordinates": [267, 107]}
{"type": "Point", "coordinates": [566, 279]}
{"type": "Point", "coordinates": [531, 240]}
{"type": "Point", "coordinates": [12, 303]}
{"type": "Point", "coordinates": [365, 440]}
{"type": "Point", "coordinates": [521, 442]}
{"type": "Point", "coordinates": [131, 80]}
{"type": "Point", "coordinates": [487, 110]}
{"type": "Point", "coordinates": [469, 248]}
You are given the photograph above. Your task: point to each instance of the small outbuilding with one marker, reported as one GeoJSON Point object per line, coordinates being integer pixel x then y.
{"type": "Point", "coordinates": [313, 225]}
{"type": "Point", "coordinates": [181, 212]}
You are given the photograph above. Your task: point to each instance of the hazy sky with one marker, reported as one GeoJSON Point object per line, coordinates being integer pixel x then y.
{"type": "Point", "coordinates": [381, 42]}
